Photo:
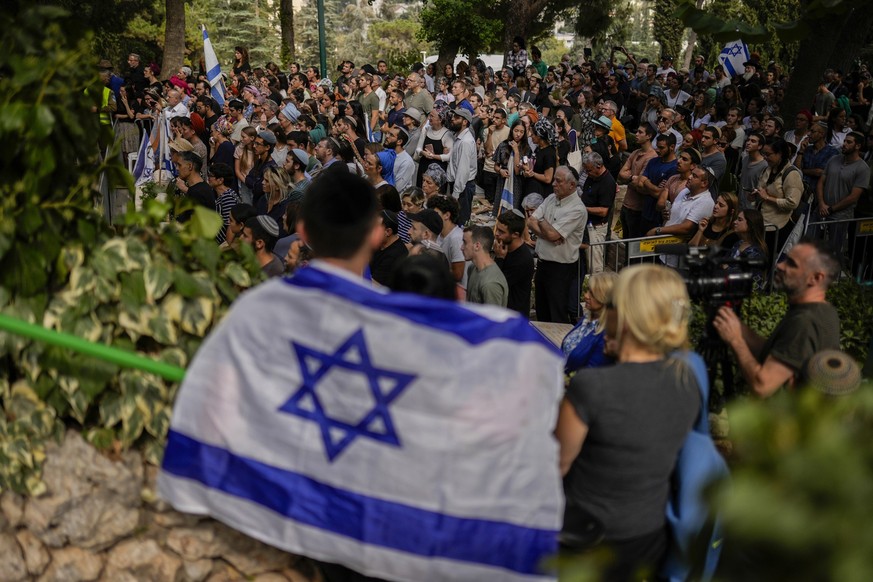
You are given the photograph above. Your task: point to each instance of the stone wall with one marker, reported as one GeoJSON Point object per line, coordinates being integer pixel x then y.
{"type": "Point", "coordinates": [100, 519]}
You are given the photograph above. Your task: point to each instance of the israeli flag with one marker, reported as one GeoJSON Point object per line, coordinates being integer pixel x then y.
{"type": "Point", "coordinates": [213, 69]}
{"type": "Point", "coordinates": [506, 196]}
{"type": "Point", "coordinates": [145, 161]}
{"type": "Point", "coordinates": [166, 162]}
{"type": "Point", "coordinates": [732, 57]}
{"type": "Point", "coordinates": [405, 437]}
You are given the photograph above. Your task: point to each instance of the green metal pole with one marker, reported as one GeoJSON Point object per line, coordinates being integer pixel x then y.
{"type": "Point", "coordinates": [322, 43]}
{"type": "Point", "coordinates": [117, 356]}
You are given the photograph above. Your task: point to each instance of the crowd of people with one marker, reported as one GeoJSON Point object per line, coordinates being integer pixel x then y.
{"type": "Point", "coordinates": [696, 154]}
{"type": "Point", "coordinates": [692, 154]}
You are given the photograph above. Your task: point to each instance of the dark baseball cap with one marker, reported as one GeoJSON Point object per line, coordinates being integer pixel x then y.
{"type": "Point", "coordinates": [430, 219]}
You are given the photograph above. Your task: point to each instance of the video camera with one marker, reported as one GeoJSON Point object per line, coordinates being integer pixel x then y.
{"type": "Point", "coordinates": [710, 278]}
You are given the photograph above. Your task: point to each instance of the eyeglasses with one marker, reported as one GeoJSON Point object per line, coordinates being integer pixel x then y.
{"type": "Point", "coordinates": [664, 119]}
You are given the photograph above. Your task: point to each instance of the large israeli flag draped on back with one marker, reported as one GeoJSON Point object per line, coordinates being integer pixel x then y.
{"type": "Point", "coordinates": [732, 57]}
{"type": "Point", "coordinates": [213, 69]}
{"type": "Point", "coordinates": [405, 437]}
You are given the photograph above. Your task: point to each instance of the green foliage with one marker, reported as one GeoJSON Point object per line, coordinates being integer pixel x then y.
{"type": "Point", "coordinates": [668, 28]}
{"type": "Point", "coordinates": [154, 289]}
{"type": "Point", "coordinates": [397, 42]}
{"type": "Point", "coordinates": [790, 20]}
{"type": "Point", "coordinates": [482, 28]}
{"type": "Point", "coordinates": [797, 506]}
{"type": "Point", "coordinates": [605, 22]}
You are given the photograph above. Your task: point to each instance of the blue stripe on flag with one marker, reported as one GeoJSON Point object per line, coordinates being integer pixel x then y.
{"type": "Point", "coordinates": [438, 314]}
{"type": "Point", "coordinates": [367, 519]}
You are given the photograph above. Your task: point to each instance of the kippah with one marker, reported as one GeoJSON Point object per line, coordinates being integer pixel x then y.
{"type": "Point", "coordinates": [269, 224]}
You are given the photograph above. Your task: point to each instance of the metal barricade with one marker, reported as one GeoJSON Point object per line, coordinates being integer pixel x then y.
{"type": "Point", "coordinates": [621, 252]}
{"type": "Point", "coordinates": [852, 240]}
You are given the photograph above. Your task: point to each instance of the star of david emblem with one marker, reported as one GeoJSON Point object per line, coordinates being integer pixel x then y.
{"type": "Point", "coordinates": [346, 395]}
{"type": "Point", "coordinates": [735, 50]}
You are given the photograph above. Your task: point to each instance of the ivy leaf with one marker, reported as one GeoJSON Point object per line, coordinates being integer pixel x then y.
{"type": "Point", "coordinates": [238, 274]}
{"type": "Point", "coordinates": [206, 252]}
{"type": "Point", "coordinates": [205, 223]}
{"type": "Point", "coordinates": [157, 279]}
{"type": "Point", "coordinates": [197, 316]}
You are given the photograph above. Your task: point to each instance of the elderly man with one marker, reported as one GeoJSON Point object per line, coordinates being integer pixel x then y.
{"type": "Point", "coordinates": [559, 224]}
{"type": "Point", "coordinates": [598, 195]}
{"type": "Point", "coordinates": [811, 324]}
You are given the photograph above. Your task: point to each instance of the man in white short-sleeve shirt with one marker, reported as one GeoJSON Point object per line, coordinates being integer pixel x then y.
{"type": "Point", "coordinates": [693, 204]}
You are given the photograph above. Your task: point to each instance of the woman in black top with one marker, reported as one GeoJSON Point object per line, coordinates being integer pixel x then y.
{"type": "Point", "coordinates": [620, 428]}
{"type": "Point", "coordinates": [538, 175]}
{"type": "Point", "coordinates": [241, 61]}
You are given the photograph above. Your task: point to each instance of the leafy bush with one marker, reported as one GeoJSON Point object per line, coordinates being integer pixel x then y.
{"type": "Point", "coordinates": [151, 288]}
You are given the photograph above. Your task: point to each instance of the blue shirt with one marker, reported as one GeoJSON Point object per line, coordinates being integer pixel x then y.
{"type": "Point", "coordinates": [387, 158]}
{"type": "Point", "coordinates": [656, 171]}
{"type": "Point", "coordinates": [816, 160]}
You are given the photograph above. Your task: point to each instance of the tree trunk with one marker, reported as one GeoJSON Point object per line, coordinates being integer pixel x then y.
{"type": "Point", "coordinates": [692, 40]}
{"type": "Point", "coordinates": [837, 40]}
{"type": "Point", "coordinates": [519, 18]}
{"type": "Point", "coordinates": [447, 54]}
{"type": "Point", "coordinates": [174, 37]}
{"type": "Point", "coordinates": [286, 22]}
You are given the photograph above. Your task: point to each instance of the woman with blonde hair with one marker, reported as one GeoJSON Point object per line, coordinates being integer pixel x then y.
{"type": "Point", "coordinates": [620, 428]}
{"type": "Point", "coordinates": [277, 189]}
{"type": "Point", "coordinates": [584, 345]}
{"type": "Point", "coordinates": [718, 229]}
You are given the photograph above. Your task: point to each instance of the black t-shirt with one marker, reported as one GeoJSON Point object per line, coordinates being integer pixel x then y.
{"type": "Point", "coordinates": [598, 192]}
{"type": "Point", "coordinates": [638, 415]}
{"type": "Point", "coordinates": [383, 261]}
{"type": "Point", "coordinates": [518, 268]}
{"type": "Point", "coordinates": [201, 194]}
{"type": "Point", "coordinates": [807, 328]}
{"type": "Point", "coordinates": [545, 158]}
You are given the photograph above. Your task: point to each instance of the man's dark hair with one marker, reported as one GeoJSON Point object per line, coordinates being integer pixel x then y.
{"type": "Point", "coordinates": [236, 105]}
{"type": "Point", "coordinates": [301, 77]}
{"type": "Point", "coordinates": [513, 222]}
{"type": "Point", "coordinates": [402, 136]}
{"type": "Point", "coordinates": [482, 235]}
{"type": "Point", "coordinates": [445, 204]}
{"type": "Point", "coordinates": [196, 161]}
{"type": "Point", "coordinates": [650, 131]}
{"type": "Point", "coordinates": [260, 233]}
{"type": "Point", "coordinates": [338, 212]}
{"type": "Point", "coordinates": [242, 212]}
{"type": "Point", "coordinates": [400, 93]}
{"type": "Point", "coordinates": [857, 136]}
{"type": "Point", "coordinates": [667, 137]}
{"type": "Point", "coordinates": [183, 121]}
{"type": "Point", "coordinates": [211, 104]}
{"type": "Point", "coordinates": [223, 172]}
{"type": "Point", "coordinates": [301, 138]}
{"type": "Point", "coordinates": [428, 273]}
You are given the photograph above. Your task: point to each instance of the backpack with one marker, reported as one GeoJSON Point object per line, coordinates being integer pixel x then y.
{"type": "Point", "coordinates": [698, 464]}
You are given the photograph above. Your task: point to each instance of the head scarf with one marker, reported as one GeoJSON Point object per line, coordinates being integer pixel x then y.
{"type": "Point", "coordinates": [223, 126]}
{"type": "Point", "coordinates": [545, 130]}
{"type": "Point", "coordinates": [444, 111]}
{"type": "Point", "coordinates": [436, 173]}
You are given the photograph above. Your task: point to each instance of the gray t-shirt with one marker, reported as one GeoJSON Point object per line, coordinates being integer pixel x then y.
{"type": "Point", "coordinates": [840, 179]}
{"type": "Point", "coordinates": [638, 415]}
{"type": "Point", "coordinates": [487, 286]}
{"type": "Point", "coordinates": [750, 174]}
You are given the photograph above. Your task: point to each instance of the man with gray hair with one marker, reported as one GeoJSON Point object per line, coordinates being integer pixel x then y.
{"type": "Point", "coordinates": [559, 223]}
{"type": "Point", "coordinates": [665, 125]}
{"type": "Point", "coordinates": [617, 133]}
{"type": "Point", "coordinates": [598, 195]}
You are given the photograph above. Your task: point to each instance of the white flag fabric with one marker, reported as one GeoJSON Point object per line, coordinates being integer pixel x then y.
{"type": "Point", "coordinates": [213, 69]}
{"type": "Point", "coordinates": [145, 161]}
{"type": "Point", "coordinates": [732, 57]}
{"type": "Point", "coordinates": [405, 437]}
{"type": "Point", "coordinates": [165, 162]}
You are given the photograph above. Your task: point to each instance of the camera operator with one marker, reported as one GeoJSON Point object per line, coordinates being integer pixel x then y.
{"type": "Point", "coordinates": [811, 324]}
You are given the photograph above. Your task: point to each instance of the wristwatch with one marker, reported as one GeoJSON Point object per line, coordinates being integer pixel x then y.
{"type": "Point", "coordinates": [658, 230]}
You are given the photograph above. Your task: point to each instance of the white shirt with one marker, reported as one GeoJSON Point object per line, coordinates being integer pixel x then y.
{"type": "Point", "coordinates": [383, 97]}
{"type": "Point", "coordinates": [178, 110]}
{"type": "Point", "coordinates": [451, 245]}
{"type": "Point", "coordinates": [688, 207]}
{"type": "Point", "coordinates": [462, 165]}
{"type": "Point", "coordinates": [569, 217]}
